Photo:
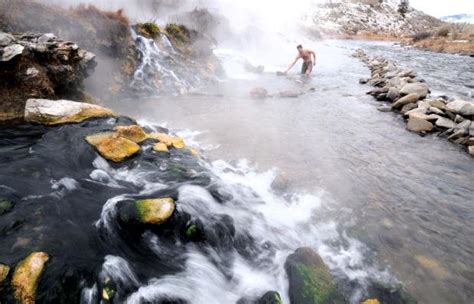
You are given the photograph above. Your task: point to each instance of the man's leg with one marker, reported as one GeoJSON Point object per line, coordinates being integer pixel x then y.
{"type": "Point", "coordinates": [309, 69]}
{"type": "Point", "coordinates": [304, 68]}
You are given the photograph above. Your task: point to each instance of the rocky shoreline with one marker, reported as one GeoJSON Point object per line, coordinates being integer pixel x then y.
{"type": "Point", "coordinates": [403, 92]}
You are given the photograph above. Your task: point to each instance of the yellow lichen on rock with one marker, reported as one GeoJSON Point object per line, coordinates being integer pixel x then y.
{"type": "Point", "coordinates": [4, 270]}
{"type": "Point", "coordinates": [112, 146]}
{"type": "Point", "coordinates": [371, 301]}
{"type": "Point", "coordinates": [175, 142]}
{"type": "Point", "coordinates": [26, 275]}
{"type": "Point", "coordinates": [134, 133]}
{"type": "Point", "coordinates": [155, 211]}
{"type": "Point", "coordinates": [53, 112]}
{"type": "Point", "coordinates": [160, 147]}
{"type": "Point", "coordinates": [436, 269]}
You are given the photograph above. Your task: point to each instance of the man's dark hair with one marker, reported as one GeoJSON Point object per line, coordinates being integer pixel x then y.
{"type": "Point", "coordinates": [299, 46]}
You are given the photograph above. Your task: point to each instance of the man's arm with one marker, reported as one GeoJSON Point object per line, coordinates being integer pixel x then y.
{"type": "Point", "coordinates": [314, 55]}
{"type": "Point", "coordinates": [292, 64]}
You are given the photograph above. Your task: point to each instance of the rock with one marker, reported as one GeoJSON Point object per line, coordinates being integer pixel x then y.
{"type": "Point", "coordinates": [52, 112]}
{"type": "Point", "coordinates": [470, 142]}
{"type": "Point", "coordinates": [147, 211]}
{"type": "Point", "coordinates": [259, 93]}
{"type": "Point", "coordinates": [470, 150]}
{"type": "Point", "coordinates": [439, 104]}
{"type": "Point", "coordinates": [363, 80]}
{"type": "Point", "coordinates": [160, 147]}
{"type": "Point", "coordinates": [419, 88]}
{"type": "Point", "coordinates": [5, 205]}
{"type": "Point", "coordinates": [176, 142]}
{"type": "Point", "coordinates": [112, 146]}
{"type": "Point", "coordinates": [270, 297]}
{"type": "Point", "coordinates": [408, 107]}
{"type": "Point", "coordinates": [435, 110]}
{"type": "Point", "coordinates": [419, 114]}
{"type": "Point", "coordinates": [45, 38]}
{"type": "Point", "coordinates": [371, 301]}
{"type": "Point", "coordinates": [410, 98]}
{"type": "Point", "coordinates": [384, 109]}
{"type": "Point", "coordinates": [458, 118]}
{"type": "Point", "coordinates": [461, 107]}
{"type": "Point", "coordinates": [459, 133]}
{"type": "Point", "coordinates": [445, 123]}
{"type": "Point", "coordinates": [378, 91]}
{"type": "Point", "coordinates": [26, 276]}
{"type": "Point", "coordinates": [4, 270]}
{"type": "Point", "coordinates": [419, 125]}
{"type": "Point", "coordinates": [6, 39]}
{"type": "Point", "coordinates": [310, 279]}
{"type": "Point", "coordinates": [407, 73]}
{"type": "Point", "coordinates": [11, 52]}
{"type": "Point", "coordinates": [385, 293]}
{"type": "Point", "coordinates": [393, 94]}
{"type": "Point", "coordinates": [134, 133]}
{"type": "Point", "coordinates": [289, 94]}
{"type": "Point", "coordinates": [465, 125]}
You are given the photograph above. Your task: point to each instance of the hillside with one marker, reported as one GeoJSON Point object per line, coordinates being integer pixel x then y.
{"type": "Point", "coordinates": [366, 18]}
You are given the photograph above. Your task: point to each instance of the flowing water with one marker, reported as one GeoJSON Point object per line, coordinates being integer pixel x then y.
{"type": "Point", "coordinates": [325, 170]}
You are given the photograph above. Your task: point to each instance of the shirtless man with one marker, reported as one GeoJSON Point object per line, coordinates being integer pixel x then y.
{"type": "Point", "coordinates": [308, 62]}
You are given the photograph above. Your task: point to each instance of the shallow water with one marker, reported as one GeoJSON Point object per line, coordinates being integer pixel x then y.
{"type": "Point", "coordinates": [408, 198]}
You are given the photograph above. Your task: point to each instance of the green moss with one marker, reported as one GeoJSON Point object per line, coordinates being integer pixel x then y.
{"type": "Point", "coordinates": [277, 298]}
{"type": "Point", "coordinates": [177, 32]}
{"type": "Point", "coordinates": [318, 284]}
{"type": "Point", "coordinates": [192, 232]}
{"type": "Point", "coordinates": [149, 29]}
{"type": "Point", "coordinates": [5, 205]}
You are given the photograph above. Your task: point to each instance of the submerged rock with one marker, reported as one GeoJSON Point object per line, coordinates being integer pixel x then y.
{"type": "Point", "coordinates": [112, 146]}
{"type": "Point", "coordinates": [388, 293]}
{"type": "Point", "coordinates": [53, 112]}
{"type": "Point", "coordinates": [147, 211]}
{"type": "Point", "coordinates": [5, 205]}
{"type": "Point", "coordinates": [371, 301]}
{"type": "Point", "coordinates": [310, 279]}
{"type": "Point", "coordinates": [134, 133]}
{"type": "Point", "coordinates": [419, 125]}
{"type": "Point", "coordinates": [26, 276]}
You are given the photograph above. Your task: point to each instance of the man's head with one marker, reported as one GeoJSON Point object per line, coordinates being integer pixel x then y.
{"type": "Point", "coordinates": [299, 48]}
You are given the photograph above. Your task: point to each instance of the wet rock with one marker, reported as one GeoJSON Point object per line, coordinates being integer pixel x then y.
{"type": "Point", "coordinates": [45, 38]}
{"type": "Point", "coordinates": [310, 279]}
{"type": "Point", "coordinates": [408, 107]}
{"type": "Point", "coordinates": [410, 98]}
{"type": "Point", "coordinates": [439, 104]}
{"type": "Point", "coordinates": [445, 123]}
{"type": "Point", "coordinates": [419, 88]}
{"type": "Point", "coordinates": [419, 125]}
{"type": "Point", "coordinates": [259, 93]}
{"type": "Point", "coordinates": [26, 276]}
{"type": "Point", "coordinates": [461, 107]}
{"type": "Point", "coordinates": [388, 293]}
{"type": "Point", "coordinates": [6, 39]}
{"type": "Point", "coordinates": [363, 80]}
{"type": "Point", "coordinates": [271, 297]}
{"type": "Point", "coordinates": [154, 211]}
{"type": "Point", "coordinates": [134, 133]}
{"type": "Point", "coordinates": [169, 141]}
{"type": "Point", "coordinates": [458, 118]}
{"type": "Point", "coordinates": [470, 150]}
{"type": "Point", "coordinates": [393, 94]}
{"type": "Point", "coordinates": [4, 270]}
{"type": "Point", "coordinates": [113, 147]}
{"type": "Point", "coordinates": [371, 301]}
{"type": "Point", "coordinates": [5, 205]}
{"type": "Point", "coordinates": [52, 112]}
{"type": "Point", "coordinates": [378, 91]}
{"type": "Point", "coordinates": [12, 51]}
{"type": "Point", "coordinates": [470, 141]}
{"type": "Point", "coordinates": [384, 109]}
{"type": "Point", "coordinates": [160, 147]}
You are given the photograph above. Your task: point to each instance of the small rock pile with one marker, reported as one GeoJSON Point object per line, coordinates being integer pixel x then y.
{"type": "Point", "coordinates": [39, 66]}
{"type": "Point", "coordinates": [410, 96]}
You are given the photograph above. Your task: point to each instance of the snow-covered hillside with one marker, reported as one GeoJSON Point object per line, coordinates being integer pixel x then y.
{"type": "Point", "coordinates": [459, 18]}
{"type": "Point", "coordinates": [381, 17]}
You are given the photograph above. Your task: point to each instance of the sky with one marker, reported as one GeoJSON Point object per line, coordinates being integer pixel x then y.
{"type": "Point", "coordinates": [440, 8]}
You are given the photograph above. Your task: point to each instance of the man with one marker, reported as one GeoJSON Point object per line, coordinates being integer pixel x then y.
{"type": "Point", "coordinates": [308, 62]}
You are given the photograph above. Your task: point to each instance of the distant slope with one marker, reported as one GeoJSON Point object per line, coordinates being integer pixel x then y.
{"type": "Point", "coordinates": [351, 17]}
{"type": "Point", "coordinates": [468, 18]}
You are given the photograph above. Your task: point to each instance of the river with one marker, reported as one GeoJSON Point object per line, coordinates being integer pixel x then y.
{"type": "Point", "coordinates": [409, 199]}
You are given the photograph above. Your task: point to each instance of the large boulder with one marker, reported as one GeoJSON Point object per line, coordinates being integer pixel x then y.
{"type": "Point", "coordinates": [310, 279]}
{"type": "Point", "coordinates": [462, 107]}
{"type": "Point", "coordinates": [419, 88]}
{"type": "Point", "coordinates": [26, 276]}
{"type": "Point", "coordinates": [112, 146]}
{"type": "Point", "coordinates": [419, 125]}
{"type": "Point", "coordinates": [410, 98]}
{"type": "Point", "coordinates": [154, 211]}
{"type": "Point", "coordinates": [53, 112]}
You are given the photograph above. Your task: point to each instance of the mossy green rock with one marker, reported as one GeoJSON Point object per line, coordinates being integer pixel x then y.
{"type": "Point", "coordinates": [154, 211]}
{"type": "Point", "coordinates": [5, 205]}
{"type": "Point", "coordinates": [310, 279]}
{"type": "Point", "coordinates": [271, 297]}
